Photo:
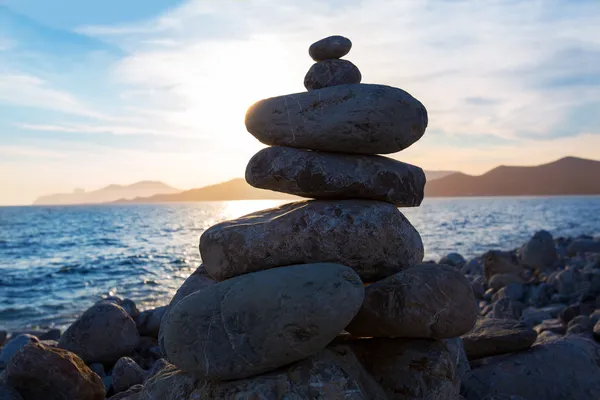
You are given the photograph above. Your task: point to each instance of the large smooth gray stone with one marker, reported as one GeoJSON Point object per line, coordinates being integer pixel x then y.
{"type": "Point", "coordinates": [332, 374]}
{"type": "Point", "coordinates": [336, 176]}
{"type": "Point", "coordinates": [198, 280]}
{"type": "Point", "coordinates": [557, 369]}
{"type": "Point", "coordinates": [363, 118]}
{"type": "Point", "coordinates": [425, 301]}
{"type": "Point", "coordinates": [539, 252]}
{"type": "Point", "coordinates": [497, 336]}
{"type": "Point", "coordinates": [257, 322]}
{"type": "Point", "coordinates": [410, 369]}
{"type": "Point", "coordinates": [330, 47]}
{"type": "Point", "coordinates": [331, 73]}
{"type": "Point", "coordinates": [104, 333]}
{"type": "Point", "coordinates": [372, 237]}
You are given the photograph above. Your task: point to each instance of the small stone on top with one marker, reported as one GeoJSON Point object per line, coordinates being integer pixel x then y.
{"type": "Point", "coordinates": [331, 73]}
{"type": "Point", "coordinates": [330, 47]}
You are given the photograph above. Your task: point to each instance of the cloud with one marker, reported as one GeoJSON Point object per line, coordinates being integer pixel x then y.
{"type": "Point", "coordinates": [30, 91]}
{"type": "Point", "coordinates": [99, 129]}
{"type": "Point", "coordinates": [28, 151]}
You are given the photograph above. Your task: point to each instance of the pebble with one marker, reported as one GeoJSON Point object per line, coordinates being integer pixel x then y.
{"type": "Point", "coordinates": [495, 263]}
{"type": "Point", "coordinates": [582, 246]}
{"type": "Point", "coordinates": [126, 373]}
{"type": "Point", "coordinates": [331, 73]}
{"type": "Point", "coordinates": [336, 176]}
{"type": "Point", "coordinates": [330, 48]}
{"type": "Point", "coordinates": [14, 345]}
{"type": "Point", "coordinates": [454, 260]}
{"type": "Point", "coordinates": [371, 237]}
{"type": "Point", "coordinates": [148, 321]}
{"type": "Point", "coordinates": [363, 119]}
{"type": "Point", "coordinates": [46, 373]}
{"type": "Point", "coordinates": [498, 281]}
{"type": "Point", "coordinates": [493, 336]}
{"type": "Point", "coordinates": [104, 333]}
{"type": "Point", "coordinates": [425, 301]}
{"type": "Point", "coordinates": [257, 322]}
{"type": "Point", "coordinates": [539, 252]}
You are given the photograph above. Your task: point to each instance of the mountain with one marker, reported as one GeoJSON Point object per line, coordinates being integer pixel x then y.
{"type": "Point", "coordinates": [235, 189]}
{"type": "Point", "coordinates": [567, 176]}
{"type": "Point", "coordinates": [107, 194]}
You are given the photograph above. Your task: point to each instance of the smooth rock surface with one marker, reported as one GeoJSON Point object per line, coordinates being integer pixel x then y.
{"type": "Point", "coordinates": [331, 73]}
{"type": "Point", "coordinates": [336, 176]}
{"type": "Point", "coordinates": [363, 118]}
{"type": "Point", "coordinates": [13, 345]}
{"type": "Point", "coordinates": [454, 260]}
{"type": "Point", "coordinates": [499, 281]}
{"type": "Point", "coordinates": [148, 321]}
{"type": "Point", "coordinates": [459, 357]}
{"type": "Point", "coordinates": [330, 47]}
{"type": "Point", "coordinates": [198, 280]}
{"type": "Point", "coordinates": [581, 246]}
{"type": "Point", "coordinates": [493, 336]}
{"type": "Point", "coordinates": [333, 373]}
{"type": "Point", "coordinates": [133, 393]}
{"type": "Point", "coordinates": [555, 370]}
{"type": "Point", "coordinates": [425, 301]}
{"type": "Point", "coordinates": [410, 369]}
{"type": "Point", "coordinates": [126, 373]}
{"type": "Point", "coordinates": [495, 262]}
{"type": "Point", "coordinates": [539, 252]}
{"type": "Point", "coordinates": [261, 321]}
{"type": "Point", "coordinates": [104, 333]}
{"type": "Point", "coordinates": [46, 373]}
{"type": "Point", "coordinates": [371, 237]}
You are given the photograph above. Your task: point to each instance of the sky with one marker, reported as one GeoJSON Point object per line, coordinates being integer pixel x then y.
{"type": "Point", "coordinates": [114, 92]}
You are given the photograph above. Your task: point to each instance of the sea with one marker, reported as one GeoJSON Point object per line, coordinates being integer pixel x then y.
{"type": "Point", "coordinates": [56, 261]}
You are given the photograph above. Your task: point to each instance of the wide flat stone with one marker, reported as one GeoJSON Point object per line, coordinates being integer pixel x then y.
{"type": "Point", "coordinates": [410, 369]}
{"type": "Point", "coordinates": [363, 118]}
{"type": "Point", "coordinates": [332, 374]}
{"type": "Point", "coordinates": [336, 176]}
{"type": "Point", "coordinates": [257, 322]}
{"type": "Point", "coordinates": [331, 73]}
{"type": "Point", "coordinates": [493, 336]}
{"type": "Point", "coordinates": [371, 237]}
{"type": "Point", "coordinates": [425, 301]}
{"type": "Point", "coordinates": [558, 369]}
{"type": "Point", "coordinates": [329, 48]}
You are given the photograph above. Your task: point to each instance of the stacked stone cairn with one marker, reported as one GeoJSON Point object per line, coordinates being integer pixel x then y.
{"type": "Point", "coordinates": [323, 298]}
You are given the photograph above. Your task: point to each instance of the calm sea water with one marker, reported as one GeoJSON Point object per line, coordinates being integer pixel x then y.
{"type": "Point", "coordinates": [56, 261]}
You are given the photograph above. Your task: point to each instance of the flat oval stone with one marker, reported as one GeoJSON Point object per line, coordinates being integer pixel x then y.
{"type": "Point", "coordinates": [425, 301]}
{"type": "Point", "coordinates": [493, 336]}
{"type": "Point", "coordinates": [258, 322]}
{"type": "Point", "coordinates": [371, 237]}
{"type": "Point", "coordinates": [336, 176]}
{"type": "Point", "coordinates": [330, 47]}
{"type": "Point", "coordinates": [331, 73]}
{"type": "Point", "coordinates": [363, 118]}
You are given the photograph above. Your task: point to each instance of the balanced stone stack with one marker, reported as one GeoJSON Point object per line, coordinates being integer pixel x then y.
{"type": "Point", "coordinates": [298, 285]}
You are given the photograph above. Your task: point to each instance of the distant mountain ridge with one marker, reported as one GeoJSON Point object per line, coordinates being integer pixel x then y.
{"type": "Point", "coordinates": [567, 176]}
{"type": "Point", "coordinates": [107, 194]}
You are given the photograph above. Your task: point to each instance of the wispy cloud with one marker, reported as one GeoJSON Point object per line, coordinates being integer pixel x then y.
{"type": "Point", "coordinates": [29, 151]}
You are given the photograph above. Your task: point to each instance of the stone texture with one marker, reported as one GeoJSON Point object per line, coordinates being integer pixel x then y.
{"type": "Point", "coordinates": [104, 333]}
{"type": "Point", "coordinates": [9, 393]}
{"type": "Point", "coordinates": [453, 259]}
{"type": "Point", "coordinates": [126, 304]}
{"type": "Point", "coordinates": [539, 252]}
{"type": "Point", "coordinates": [47, 373]}
{"type": "Point", "coordinates": [493, 336]}
{"type": "Point", "coordinates": [331, 73]}
{"type": "Point", "coordinates": [498, 281]}
{"type": "Point", "coordinates": [133, 393]}
{"type": "Point", "coordinates": [496, 262]}
{"type": "Point", "coordinates": [581, 245]}
{"type": "Point", "coordinates": [426, 301]}
{"type": "Point", "coordinates": [512, 291]}
{"type": "Point", "coordinates": [330, 47]}
{"type": "Point", "coordinates": [261, 321]}
{"type": "Point", "coordinates": [198, 280]}
{"type": "Point", "coordinates": [148, 321]}
{"type": "Point", "coordinates": [507, 309]}
{"type": "Point", "coordinates": [126, 373]}
{"type": "Point", "coordinates": [373, 238]}
{"type": "Point", "coordinates": [459, 358]}
{"type": "Point", "coordinates": [555, 370]}
{"type": "Point", "coordinates": [410, 369]}
{"type": "Point", "coordinates": [363, 118]}
{"type": "Point", "coordinates": [336, 176]}
{"type": "Point", "coordinates": [13, 345]}
{"type": "Point", "coordinates": [333, 373]}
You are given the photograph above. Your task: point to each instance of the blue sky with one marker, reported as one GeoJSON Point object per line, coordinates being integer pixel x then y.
{"type": "Point", "coordinates": [94, 93]}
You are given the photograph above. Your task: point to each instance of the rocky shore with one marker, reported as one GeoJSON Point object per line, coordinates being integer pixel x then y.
{"type": "Point", "coordinates": [329, 298]}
